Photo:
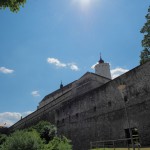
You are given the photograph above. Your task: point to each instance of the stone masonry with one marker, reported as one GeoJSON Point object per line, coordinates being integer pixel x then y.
{"type": "Point", "coordinates": [92, 108]}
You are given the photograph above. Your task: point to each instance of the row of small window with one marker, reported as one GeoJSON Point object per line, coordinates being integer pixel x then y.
{"type": "Point", "coordinates": [63, 120]}
{"type": "Point", "coordinates": [77, 115]}
{"type": "Point", "coordinates": [58, 111]}
{"type": "Point", "coordinates": [109, 104]}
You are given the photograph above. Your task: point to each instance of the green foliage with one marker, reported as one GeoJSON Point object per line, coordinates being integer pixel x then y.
{"type": "Point", "coordinates": [145, 54]}
{"type": "Point", "coordinates": [58, 144]}
{"type": "Point", "coordinates": [46, 130]}
{"type": "Point", "coordinates": [23, 140]}
{"type": "Point", "coordinates": [2, 138]}
{"type": "Point", "coordinates": [13, 5]}
{"type": "Point", "coordinates": [39, 137]}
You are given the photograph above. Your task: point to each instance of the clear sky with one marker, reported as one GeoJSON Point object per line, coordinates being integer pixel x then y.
{"type": "Point", "coordinates": [53, 40]}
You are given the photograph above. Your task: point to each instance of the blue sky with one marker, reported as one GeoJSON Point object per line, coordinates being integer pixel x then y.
{"type": "Point", "coordinates": [53, 40]}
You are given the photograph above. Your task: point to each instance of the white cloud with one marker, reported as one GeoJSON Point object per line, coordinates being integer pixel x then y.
{"type": "Point", "coordinates": [6, 70]}
{"type": "Point", "coordinates": [59, 64]}
{"type": "Point", "coordinates": [9, 118]}
{"type": "Point", "coordinates": [117, 72]}
{"type": "Point", "coordinates": [56, 62]}
{"type": "Point", "coordinates": [35, 93]}
{"type": "Point", "coordinates": [73, 67]}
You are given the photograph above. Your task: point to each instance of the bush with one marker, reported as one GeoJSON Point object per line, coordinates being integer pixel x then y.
{"type": "Point", "coordinates": [23, 140]}
{"type": "Point", "coordinates": [39, 137]}
{"type": "Point", "coordinates": [58, 144]}
{"type": "Point", "coordinates": [46, 130]}
{"type": "Point", "coordinates": [2, 139]}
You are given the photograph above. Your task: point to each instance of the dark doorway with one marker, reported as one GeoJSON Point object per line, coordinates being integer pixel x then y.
{"type": "Point", "coordinates": [127, 135]}
{"type": "Point", "coordinates": [135, 135]}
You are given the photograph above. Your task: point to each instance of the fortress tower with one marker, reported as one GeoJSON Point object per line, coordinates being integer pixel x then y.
{"type": "Point", "coordinates": [103, 69]}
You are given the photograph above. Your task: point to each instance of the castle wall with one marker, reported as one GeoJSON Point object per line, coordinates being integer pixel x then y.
{"type": "Point", "coordinates": [51, 97]}
{"type": "Point", "coordinates": [48, 110]}
{"type": "Point", "coordinates": [86, 83]}
{"type": "Point", "coordinates": [99, 114]}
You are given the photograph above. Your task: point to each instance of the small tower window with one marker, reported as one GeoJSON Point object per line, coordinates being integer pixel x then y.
{"type": "Point", "coordinates": [77, 115]}
{"type": "Point", "coordinates": [94, 108]}
{"type": "Point", "coordinates": [125, 98]}
{"type": "Point", "coordinates": [109, 103]}
{"type": "Point", "coordinates": [63, 120]}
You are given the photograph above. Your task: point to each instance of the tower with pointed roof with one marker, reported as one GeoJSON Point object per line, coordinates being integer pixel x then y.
{"type": "Point", "coordinates": [102, 68]}
{"type": "Point", "coordinates": [61, 85]}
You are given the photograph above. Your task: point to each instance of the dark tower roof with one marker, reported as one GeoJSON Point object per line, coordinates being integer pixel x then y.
{"type": "Point", "coordinates": [101, 60]}
{"type": "Point", "coordinates": [61, 85]}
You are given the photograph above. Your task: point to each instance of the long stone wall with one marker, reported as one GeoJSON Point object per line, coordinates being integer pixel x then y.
{"type": "Point", "coordinates": [54, 95]}
{"type": "Point", "coordinates": [99, 114]}
{"type": "Point", "coordinates": [46, 112]}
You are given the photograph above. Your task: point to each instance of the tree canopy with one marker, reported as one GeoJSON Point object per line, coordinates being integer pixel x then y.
{"type": "Point", "coordinates": [2, 138]}
{"type": "Point", "coordinates": [13, 5]}
{"type": "Point", "coordinates": [38, 137]}
{"type": "Point", "coordinates": [58, 144]}
{"type": "Point", "coordinates": [23, 140]}
{"type": "Point", "coordinates": [46, 130]}
{"type": "Point", "coordinates": [145, 54]}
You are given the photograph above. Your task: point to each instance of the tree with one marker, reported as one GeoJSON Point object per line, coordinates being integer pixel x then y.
{"type": "Point", "coordinates": [2, 138]}
{"type": "Point", "coordinates": [58, 144]}
{"type": "Point", "coordinates": [145, 54]}
{"type": "Point", "coordinates": [23, 140]}
{"type": "Point", "coordinates": [38, 137]}
{"type": "Point", "coordinates": [46, 130]}
{"type": "Point", "coordinates": [13, 5]}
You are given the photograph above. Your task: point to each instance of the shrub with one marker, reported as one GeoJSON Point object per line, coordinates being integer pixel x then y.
{"type": "Point", "coordinates": [58, 144]}
{"type": "Point", "coordinates": [23, 140]}
{"type": "Point", "coordinates": [46, 130]}
{"type": "Point", "coordinates": [2, 139]}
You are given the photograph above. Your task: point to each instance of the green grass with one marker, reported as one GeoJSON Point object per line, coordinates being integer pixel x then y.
{"type": "Point", "coordinates": [120, 149]}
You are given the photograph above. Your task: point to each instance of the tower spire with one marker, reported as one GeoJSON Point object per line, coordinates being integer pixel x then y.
{"type": "Point", "coordinates": [101, 60]}
{"type": "Point", "coordinates": [61, 85]}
